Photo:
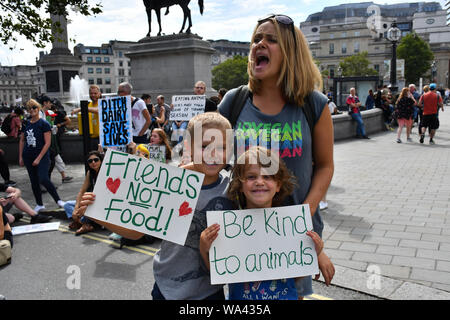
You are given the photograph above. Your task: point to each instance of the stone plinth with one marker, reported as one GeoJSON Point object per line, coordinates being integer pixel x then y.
{"type": "Point", "coordinates": [170, 65]}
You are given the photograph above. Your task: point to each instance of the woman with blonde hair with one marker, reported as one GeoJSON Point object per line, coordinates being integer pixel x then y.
{"type": "Point", "coordinates": [34, 143]}
{"type": "Point", "coordinates": [405, 111]}
{"type": "Point", "coordinates": [285, 110]}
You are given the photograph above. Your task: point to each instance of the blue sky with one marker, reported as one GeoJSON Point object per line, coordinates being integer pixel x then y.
{"type": "Point", "coordinates": [127, 20]}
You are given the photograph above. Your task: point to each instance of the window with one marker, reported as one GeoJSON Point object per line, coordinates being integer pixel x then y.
{"type": "Point", "coordinates": [98, 59]}
{"type": "Point", "coordinates": [89, 59]}
{"type": "Point", "coordinates": [120, 63]}
{"type": "Point", "coordinates": [98, 70]}
{"type": "Point", "coordinates": [90, 70]}
{"type": "Point", "coordinates": [377, 68]}
{"type": "Point", "coordinates": [99, 81]}
{"type": "Point", "coordinates": [120, 54]}
{"type": "Point", "coordinates": [357, 33]}
{"type": "Point", "coordinates": [108, 81]}
{"type": "Point", "coordinates": [107, 71]}
{"type": "Point", "coordinates": [91, 81]}
{"type": "Point", "coordinates": [356, 47]}
{"type": "Point", "coordinates": [104, 51]}
{"type": "Point", "coordinates": [344, 48]}
{"type": "Point", "coordinates": [331, 48]}
{"type": "Point", "coordinates": [121, 73]}
{"type": "Point", "coordinates": [331, 35]}
{"type": "Point", "coordinates": [344, 34]}
{"type": "Point", "coordinates": [97, 51]}
{"type": "Point", "coordinates": [106, 59]}
{"type": "Point", "coordinates": [87, 50]}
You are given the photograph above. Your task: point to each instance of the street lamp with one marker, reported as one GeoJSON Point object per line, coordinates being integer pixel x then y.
{"type": "Point", "coordinates": [339, 95]}
{"type": "Point", "coordinates": [394, 35]}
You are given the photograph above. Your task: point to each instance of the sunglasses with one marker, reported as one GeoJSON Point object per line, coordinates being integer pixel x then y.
{"type": "Point", "coordinates": [93, 160]}
{"type": "Point", "coordinates": [32, 107]}
{"type": "Point", "coordinates": [199, 87]}
{"type": "Point", "coordinates": [283, 20]}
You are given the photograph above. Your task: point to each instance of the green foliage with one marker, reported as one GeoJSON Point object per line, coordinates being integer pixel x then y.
{"type": "Point", "coordinates": [418, 57]}
{"type": "Point", "coordinates": [24, 17]}
{"type": "Point", "coordinates": [357, 65]}
{"type": "Point", "coordinates": [230, 74]}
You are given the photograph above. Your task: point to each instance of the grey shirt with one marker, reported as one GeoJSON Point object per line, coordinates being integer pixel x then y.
{"type": "Point", "coordinates": [289, 131]}
{"type": "Point", "coordinates": [179, 271]}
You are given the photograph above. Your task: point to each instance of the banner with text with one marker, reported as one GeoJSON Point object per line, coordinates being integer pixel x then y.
{"type": "Point", "coordinates": [262, 244]}
{"type": "Point", "coordinates": [115, 124]}
{"type": "Point", "coordinates": [146, 195]}
{"type": "Point", "coordinates": [187, 107]}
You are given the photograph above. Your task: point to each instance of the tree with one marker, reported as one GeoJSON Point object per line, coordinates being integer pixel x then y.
{"type": "Point", "coordinates": [24, 17]}
{"type": "Point", "coordinates": [418, 57]}
{"type": "Point", "coordinates": [357, 65]}
{"type": "Point", "coordinates": [230, 74]}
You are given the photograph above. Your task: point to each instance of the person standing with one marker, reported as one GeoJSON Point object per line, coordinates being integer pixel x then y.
{"type": "Point", "coordinates": [431, 101]}
{"type": "Point", "coordinates": [282, 77]}
{"type": "Point", "coordinates": [34, 143]}
{"type": "Point", "coordinates": [354, 104]}
{"type": "Point", "coordinates": [416, 96]}
{"type": "Point", "coordinates": [405, 112]}
{"type": "Point", "coordinates": [139, 114]}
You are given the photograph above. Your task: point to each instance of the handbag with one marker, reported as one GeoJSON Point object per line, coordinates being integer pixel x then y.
{"type": "Point", "coordinates": [5, 252]}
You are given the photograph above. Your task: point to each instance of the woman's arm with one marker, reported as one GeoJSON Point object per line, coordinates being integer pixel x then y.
{"type": "Point", "coordinates": [21, 144]}
{"type": "Point", "coordinates": [323, 140]}
{"type": "Point", "coordinates": [47, 139]}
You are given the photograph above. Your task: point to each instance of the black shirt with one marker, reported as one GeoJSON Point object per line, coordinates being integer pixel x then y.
{"type": "Point", "coordinates": [210, 105]}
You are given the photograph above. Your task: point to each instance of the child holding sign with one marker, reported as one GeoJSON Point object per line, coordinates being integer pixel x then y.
{"type": "Point", "coordinates": [256, 185]}
{"type": "Point", "coordinates": [179, 271]}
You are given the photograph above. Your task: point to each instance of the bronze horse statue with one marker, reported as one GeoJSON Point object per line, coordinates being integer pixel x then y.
{"type": "Point", "coordinates": [158, 4]}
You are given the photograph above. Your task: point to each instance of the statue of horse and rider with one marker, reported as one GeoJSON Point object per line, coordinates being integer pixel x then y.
{"type": "Point", "coordinates": [157, 5]}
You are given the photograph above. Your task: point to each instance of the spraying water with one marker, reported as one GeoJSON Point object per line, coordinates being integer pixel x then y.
{"type": "Point", "coordinates": [79, 90]}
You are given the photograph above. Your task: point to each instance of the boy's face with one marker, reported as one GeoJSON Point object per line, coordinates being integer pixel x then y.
{"type": "Point", "coordinates": [213, 154]}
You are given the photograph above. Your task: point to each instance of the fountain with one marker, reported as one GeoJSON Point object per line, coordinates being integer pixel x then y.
{"type": "Point", "coordinates": [79, 90]}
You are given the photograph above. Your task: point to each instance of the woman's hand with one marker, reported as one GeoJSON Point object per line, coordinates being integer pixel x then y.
{"type": "Point", "coordinates": [21, 162]}
{"type": "Point", "coordinates": [326, 267]}
{"type": "Point", "coordinates": [36, 162]}
{"type": "Point", "coordinates": [87, 199]}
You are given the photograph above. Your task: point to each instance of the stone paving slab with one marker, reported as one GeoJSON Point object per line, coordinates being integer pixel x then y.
{"type": "Point", "coordinates": [393, 204]}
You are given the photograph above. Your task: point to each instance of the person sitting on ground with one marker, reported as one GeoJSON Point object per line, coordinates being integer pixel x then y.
{"type": "Point", "coordinates": [13, 198]}
{"type": "Point", "coordinates": [159, 138]}
{"type": "Point", "coordinates": [80, 223]}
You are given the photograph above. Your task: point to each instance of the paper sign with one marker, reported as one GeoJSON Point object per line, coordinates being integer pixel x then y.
{"type": "Point", "coordinates": [145, 195]}
{"type": "Point", "coordinates": [262, 244]}
{"type": "Point", "coordinates": [32, 228]}
{"type": "Point", "coordinates": [115, 124]}
{"type": "Point", "coordinates": [187, 107]}
{"type": "Point", "coordinates": [157, 153]}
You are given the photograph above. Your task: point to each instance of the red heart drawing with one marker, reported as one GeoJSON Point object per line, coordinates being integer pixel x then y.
{"type": "Point", "coordinates": [113, 185]}
{"type": "Point", "coordinates": [184, 209]}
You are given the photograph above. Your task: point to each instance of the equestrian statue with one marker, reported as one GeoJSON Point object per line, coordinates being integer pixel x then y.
{"type": "Point", "coordinates": [158, 4]}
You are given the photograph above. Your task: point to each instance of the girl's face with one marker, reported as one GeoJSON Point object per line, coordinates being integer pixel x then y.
{"type": "Point", "coordinates": [155, 138]}
{"type": "Point", "coordinates": [265, 54]}
{"type": "Point", "coordinates": [258, 188]}
{"type": "Point", "coordinates": [94, 162]}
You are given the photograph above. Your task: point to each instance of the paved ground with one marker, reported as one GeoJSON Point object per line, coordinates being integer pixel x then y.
{"type": "Point", "coordinates": [386, 228]}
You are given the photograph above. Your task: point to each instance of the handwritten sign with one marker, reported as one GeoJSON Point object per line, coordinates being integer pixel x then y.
{"type": "Point", "coordinates": [187, 107]}
{"type": "Point", "coordinates": [115, 124]}
{"type": "Point", "coordinates": [145, 195]}
{"type": "Point", "coordinates": [262, 244]}
{"type": "Point", "coordinates": [157, 153]}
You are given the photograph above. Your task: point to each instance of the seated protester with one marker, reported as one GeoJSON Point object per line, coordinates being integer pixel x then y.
{"type": "Point", "coordinates": [13, 198]}
{"type": "Point", "coordinates": [83, 224]}
{"type": "Point", "coordinates": [4, 170]}
{"type": "Point", "coordinates": [5, 228]}
{"type": "Point", "coordinates": [333, 108]}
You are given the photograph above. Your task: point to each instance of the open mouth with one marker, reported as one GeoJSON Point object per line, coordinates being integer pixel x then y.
{"type": "Point", "coordinates": [261, 60]}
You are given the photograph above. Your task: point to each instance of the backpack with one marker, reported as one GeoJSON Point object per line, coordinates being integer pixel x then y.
{"type": "Point", "coordinates": [6, 124]}
{"type": "Point", "coordinates": [243, 93]}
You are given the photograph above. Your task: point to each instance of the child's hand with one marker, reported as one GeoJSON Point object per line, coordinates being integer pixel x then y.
{"type": "Point", "coordinates": [87, 199]}
{"type": "Point", "coordinates": [207, 237]}
{"type": "Point", "coordinates": [317, 241]}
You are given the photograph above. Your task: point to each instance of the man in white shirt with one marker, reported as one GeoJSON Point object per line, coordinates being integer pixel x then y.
{"type": "Point", "coordinates": [139, 114]}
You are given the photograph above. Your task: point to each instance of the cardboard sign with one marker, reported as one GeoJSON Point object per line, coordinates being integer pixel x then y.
{"type": "Point", "coordinates": [145, 195]}
{"type": "Point", "coordinates": [187, 107]}
{"type": "Point", "coordinates": [262, 244]}
{"type": "Point", "coordinates": [115, 124]}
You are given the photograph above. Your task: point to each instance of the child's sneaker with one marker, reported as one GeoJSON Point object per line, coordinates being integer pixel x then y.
{"type": "Point", "coordinates": [61, 203]}
{"type": "Point", "coordinates": [39, 208]}
{"type": "Point", "coordinates": [323, 205]}
{"type": "Point", "coordinates": [399, 141]}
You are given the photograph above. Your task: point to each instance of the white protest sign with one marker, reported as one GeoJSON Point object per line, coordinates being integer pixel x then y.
{"type": "Point", "coordinates": [115, 124]}
{"type": "Point", "coordinates": [262, 244]}
{"type": "Point", "coordinates": [32, 228]}
{"type": "Point", "coordinates": [145, 195]}
{"type": "Point", "coordinates": [157, 153]}
{"type": "Point", "coordinates": [187, 107]}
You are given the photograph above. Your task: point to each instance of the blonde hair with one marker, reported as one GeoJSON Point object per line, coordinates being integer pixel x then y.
{"type": "Point", "coordinates": [283, 176]}
{"type": "Point", "coordinates": [426, 88]}
{"type": "Point", "coordinates": [299, 75]}
{"type": "Point", "coordinates": [32, 102]}
{"type": "Point", "coordinates": [208, 120]}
